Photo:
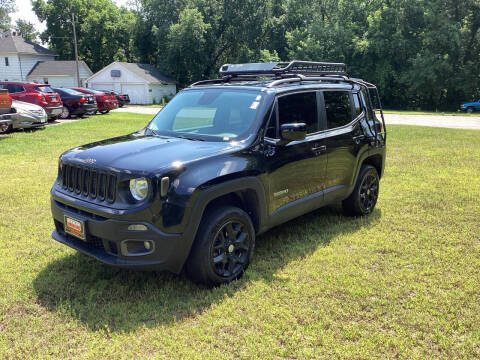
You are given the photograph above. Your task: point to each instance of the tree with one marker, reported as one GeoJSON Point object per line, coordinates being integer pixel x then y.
{"type": "Point", "coordinates": [6, 8]}
{"type": "Point", "coordinates": [104, 31]}
{"type": "Point", "coordinates": [26, 29]}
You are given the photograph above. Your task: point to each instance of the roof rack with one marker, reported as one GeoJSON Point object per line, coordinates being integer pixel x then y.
{"type": "Point", "coordinates": [282, 68]}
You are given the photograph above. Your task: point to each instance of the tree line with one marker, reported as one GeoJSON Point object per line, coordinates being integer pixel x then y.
{"type": "Point", "coordinates": [421, 53]}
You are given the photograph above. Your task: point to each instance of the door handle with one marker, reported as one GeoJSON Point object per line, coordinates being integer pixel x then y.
{"type": "Point", "coordinates": [318, 149]}
{"type": "Point", "coordinates": [357, 139]}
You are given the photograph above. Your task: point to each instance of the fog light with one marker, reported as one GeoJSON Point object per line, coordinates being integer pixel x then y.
{"type": "Point", "coordinates": [137, 227]}
{"type": "Point", "coordinates": [147, 245]}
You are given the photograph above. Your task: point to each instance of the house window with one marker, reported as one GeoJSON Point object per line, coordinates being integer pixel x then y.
{"type": "Point", "coordinates": [6, 61]}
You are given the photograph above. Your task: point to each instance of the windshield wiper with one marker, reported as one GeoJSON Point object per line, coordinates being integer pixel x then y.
{"type": "Point", "coordinates": [189, 138]}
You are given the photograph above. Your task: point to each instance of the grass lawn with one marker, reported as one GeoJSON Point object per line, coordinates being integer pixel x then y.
{"type": "Point", "coordinates": [401, 283]}
{"type": "Point", "coordinates": [442, 113]}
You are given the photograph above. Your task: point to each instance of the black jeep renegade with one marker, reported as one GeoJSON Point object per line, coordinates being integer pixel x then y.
{"type": "Point", "coordinates": [222, 162]}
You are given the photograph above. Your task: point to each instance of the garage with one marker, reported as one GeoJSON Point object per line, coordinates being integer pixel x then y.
{"type": "Point", "coordinates": [143, 83]}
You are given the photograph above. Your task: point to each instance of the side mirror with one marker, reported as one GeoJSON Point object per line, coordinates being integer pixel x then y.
{"type": "Point", "coordinates": [293, 132]}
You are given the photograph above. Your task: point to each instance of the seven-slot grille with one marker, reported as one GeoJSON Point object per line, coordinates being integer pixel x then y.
{"type": "Point", "coordinates": [88, 182]}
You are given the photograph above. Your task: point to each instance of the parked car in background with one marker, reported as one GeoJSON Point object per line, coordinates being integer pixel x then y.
{"type": "Point", "coordinates": [38, 94]}
{"type": "Point", "coordinates": [26, 116]}
{"type": "Point", "coordinates": [105, 102]}
{"type": "Point", "coordinates": [76, 103]}
{"type": "Point", "coordinates": [123, 99]}
{"type": "Point", "coordinates": [5, 111]}
{"type": "Point", "coordinates": [470, 107]}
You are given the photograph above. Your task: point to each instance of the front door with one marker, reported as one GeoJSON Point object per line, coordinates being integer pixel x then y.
{"type": "Point", "coordinates": [297, 169]}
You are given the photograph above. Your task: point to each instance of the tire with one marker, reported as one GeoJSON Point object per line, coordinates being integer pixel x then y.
{"type": "Point", "coordinates": [215, 258]}
{"type": "Point", "coordinates": [104, 112]}
{"type": "Point", "coordinates": [120, 106]}
{"type": "Point", "coordinates": [65, 113]}
{"type": "Point", "coordinates": [6, 129]}
{"type": "Point", "coordinates": [470, 110]}
{"type": "Point", "coordinates": [364, 197]}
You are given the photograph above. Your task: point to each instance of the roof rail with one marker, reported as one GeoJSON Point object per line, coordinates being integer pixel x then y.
{"type": "Point", "coordinates": [281, 68]}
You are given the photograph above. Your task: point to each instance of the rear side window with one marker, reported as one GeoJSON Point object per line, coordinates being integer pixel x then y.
{"type": "Point", "coordinates": [299, 108]}
{"type": "Point", "coordinates": [338, 108]}
{"type": "Point", "coordinates": [44, 89]}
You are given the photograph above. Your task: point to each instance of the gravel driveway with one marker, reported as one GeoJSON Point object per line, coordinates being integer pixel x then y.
{"type": "Point", "coordinates": [445, 121]}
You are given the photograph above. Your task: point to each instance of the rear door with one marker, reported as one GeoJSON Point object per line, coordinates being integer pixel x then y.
{"type": "Point", "coordinates": [297, 169]}
{"type": "Point", "coordinates": [344, 140]}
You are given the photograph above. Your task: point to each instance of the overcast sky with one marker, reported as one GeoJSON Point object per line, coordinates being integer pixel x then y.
{"type": "Point", "coordinates": [24, 11]}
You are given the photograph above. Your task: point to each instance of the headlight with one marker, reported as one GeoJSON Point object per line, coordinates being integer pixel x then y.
{"type": "Point", "coordinates": [139, 188]}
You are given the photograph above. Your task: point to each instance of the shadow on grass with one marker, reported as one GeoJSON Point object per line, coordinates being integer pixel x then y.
{"type": "Point", "coordinates": [122, 300]}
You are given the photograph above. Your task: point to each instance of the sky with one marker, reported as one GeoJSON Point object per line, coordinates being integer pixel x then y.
{"type": "Point", "coordinates": [24, 11]}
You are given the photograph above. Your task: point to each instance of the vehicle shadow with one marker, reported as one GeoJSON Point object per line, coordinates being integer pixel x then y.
{"type": "Point", "coordinates": [119, 300]}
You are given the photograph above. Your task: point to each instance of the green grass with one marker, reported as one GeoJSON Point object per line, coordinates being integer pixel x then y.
{"type": "Point", "coordinates": [401, 283]}
{"type": "Point", "coordinates": [439, 113]}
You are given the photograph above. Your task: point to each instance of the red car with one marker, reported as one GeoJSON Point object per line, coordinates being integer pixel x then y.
{"type": "Point", "coordinates": [38, 94]}
{"type": "Point", "coordinates": [105, 102]}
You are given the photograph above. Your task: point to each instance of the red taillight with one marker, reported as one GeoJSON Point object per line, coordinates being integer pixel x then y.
{"type": "Point", "coordinates": [82, 100]}
{"type": "Point", "coordinates": [41, 97]}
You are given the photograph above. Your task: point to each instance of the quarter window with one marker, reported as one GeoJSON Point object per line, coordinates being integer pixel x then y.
{"type": "Point", "coordinates": [299, 108]}
{"type": "Point", "coordinates": [6, 62]}
{"type": "Point", "coordinates": [338, 108]}
{"type": "Point", "coordinates": [356, 105]}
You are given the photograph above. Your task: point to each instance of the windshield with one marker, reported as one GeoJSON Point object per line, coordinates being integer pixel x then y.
{"type": "Point", "coordinates": [216, 114]}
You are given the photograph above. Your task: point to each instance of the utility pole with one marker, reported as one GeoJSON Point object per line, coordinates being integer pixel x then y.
{"type": "Point", "coordinates": [76, 50]}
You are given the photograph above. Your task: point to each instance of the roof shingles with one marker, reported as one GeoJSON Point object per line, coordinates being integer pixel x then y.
{"type": "Point", "coordinates": [55, 68]}
{"type": "Point", "coordinates": [17, 44]}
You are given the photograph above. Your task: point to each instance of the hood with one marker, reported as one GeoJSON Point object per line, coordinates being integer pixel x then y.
{"type": "Point", "coordinates": [144, 154]}
{"type": "Point", "coordinates": [25, 106]}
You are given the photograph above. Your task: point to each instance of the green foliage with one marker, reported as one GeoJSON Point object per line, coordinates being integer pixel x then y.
{"type": "Point", "coordinates": [26, 29]}
{"type": "Point", "coordinates": [6, 8]}
{"type": "Point", "coordinates": [421, 53]}
{"type": "Point", "coordinates": [104, 31]}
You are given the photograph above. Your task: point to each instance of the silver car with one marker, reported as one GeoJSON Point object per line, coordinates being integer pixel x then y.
{"type": "Point", "coordinates": [27, 115]}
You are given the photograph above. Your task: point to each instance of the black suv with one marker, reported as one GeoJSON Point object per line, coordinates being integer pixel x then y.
{"type": "Point", "coordinates": [223, 161]}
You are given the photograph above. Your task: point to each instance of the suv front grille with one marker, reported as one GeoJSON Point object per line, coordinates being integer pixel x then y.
{"type": "Point", "coordinates": [88, 182]}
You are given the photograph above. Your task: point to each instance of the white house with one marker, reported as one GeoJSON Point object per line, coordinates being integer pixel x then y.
{"type": "Point", "coordinates": [59, 73]}
{"type": "Point", "coordinates": [143, 83]}
{"type": "Point", "coordinates": [18, 56]}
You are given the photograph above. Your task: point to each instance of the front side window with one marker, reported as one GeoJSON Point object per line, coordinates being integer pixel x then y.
{"type": "Point", "coordinates": [213, 114]}
{"type": "Point", "coordinates": [338, 108]}
{"type": "Point", "coordinates": [299, 108]}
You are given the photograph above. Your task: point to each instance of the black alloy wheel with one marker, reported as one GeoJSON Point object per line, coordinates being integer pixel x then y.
{"type": "Point", "coordinates": [223, 247]}
{"type": "Point", "coordinates": [369, 193]}
{"type": "Point", "coordinates": [229, 253]}
{"type": "Point", "coordinates": [364, 196]}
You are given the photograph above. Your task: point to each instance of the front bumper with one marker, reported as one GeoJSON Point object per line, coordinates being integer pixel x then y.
{"type": "Point", "coordinates": [111, 242]}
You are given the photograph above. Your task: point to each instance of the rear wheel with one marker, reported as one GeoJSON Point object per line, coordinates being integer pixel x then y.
{"type": "Point", "coordinates": [65, 113]}
{"type": "Point", "coordinates": [364, 197]}
{"type": "Point", "coordinates": [223, 247]}
{"type": "Point", "coordinates": [104, 111]}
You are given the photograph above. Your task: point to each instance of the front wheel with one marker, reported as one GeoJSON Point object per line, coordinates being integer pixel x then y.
{"type": "Point", "coordinates": [5, 128]}
{"type": "Point", "coordinates": [104, 112]}
{"type": "Point", "coordinates": [470, 110]}
{"type": "Point", "coordinates": [364, 197]}
{"type": "Point", "coordinates": [223, 247]}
